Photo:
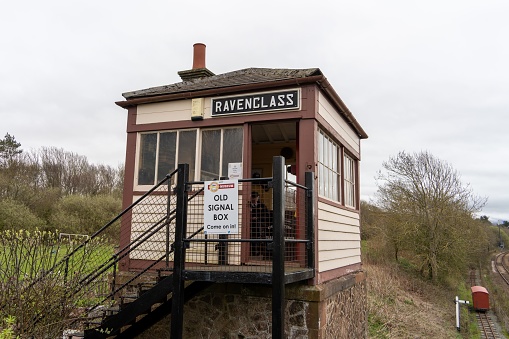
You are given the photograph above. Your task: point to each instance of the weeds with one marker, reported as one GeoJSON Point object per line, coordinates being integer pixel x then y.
{"type": "Point", "coordinates": [40, 284]}
{"type": "Point", "coordinates": [402, 305]}
{"type": "Point", "coordinates": [6, 331]}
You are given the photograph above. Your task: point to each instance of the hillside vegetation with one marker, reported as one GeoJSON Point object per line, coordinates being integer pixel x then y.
{"type": "Point", "coordinates": [421, 237]}
{"type": "Point", "coordinates": [55, 190]}
{"type": "Point", "coordinates": [50, 201]}
{"type": "Point", "coordinates": [404, 304]}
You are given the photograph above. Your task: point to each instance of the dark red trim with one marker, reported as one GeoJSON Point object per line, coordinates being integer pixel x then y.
{"type": "Point", "coordinates": [219, 91]}
{"type": "Point", "coordinates": [320, 80]}
{"type": "Point", "coordinates": [214, 122]}
{"type": "Point", "coordinates": [127, 197]}
{"type": "Point", "coordinates": [338, 272]}
{"type": "Point", "coordinates": [337, 204]}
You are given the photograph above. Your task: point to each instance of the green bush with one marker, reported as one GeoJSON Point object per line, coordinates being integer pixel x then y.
{"type": "Point", "coordinates": [15, 215]}
{"type": "Point", "coordinates": [85, 214]}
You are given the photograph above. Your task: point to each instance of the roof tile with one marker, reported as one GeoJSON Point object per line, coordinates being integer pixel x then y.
{"type": "Point", "coordinates": [236, 78]}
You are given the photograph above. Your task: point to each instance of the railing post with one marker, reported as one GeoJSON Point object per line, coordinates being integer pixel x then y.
{"type": "Point", "coordinates": [310, 218]}
{"type": "Point", "coordinates": [177, 307]}
{"type": "Point", "coordinates": [168, 209]}
{"type": "Point", "coordinates": [278, 268]}
{"type": "Point", "coordinates": [66, 270]}
{"type": "Point", "coordinates": [113, 277]}
{"type": "Point", "coordinates": [223, 250]}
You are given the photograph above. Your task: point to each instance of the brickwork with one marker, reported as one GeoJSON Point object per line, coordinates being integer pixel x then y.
{"type": "Point", "coordinates": [336, 309]}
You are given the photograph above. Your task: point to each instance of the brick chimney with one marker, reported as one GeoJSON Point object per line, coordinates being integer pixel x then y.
{"type": "Point", "coordinates": [199, 70]}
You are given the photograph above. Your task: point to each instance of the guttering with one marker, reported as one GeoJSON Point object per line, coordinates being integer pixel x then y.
{"type": "Point", "coordinates": [217, 91]}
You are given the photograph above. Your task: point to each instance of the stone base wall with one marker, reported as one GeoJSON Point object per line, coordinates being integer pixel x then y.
{"type": "Point", "coordinates": [335, 309]}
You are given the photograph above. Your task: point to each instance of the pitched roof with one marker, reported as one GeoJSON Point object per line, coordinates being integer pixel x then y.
{"type": "Point", "coordinates": [241, 77]}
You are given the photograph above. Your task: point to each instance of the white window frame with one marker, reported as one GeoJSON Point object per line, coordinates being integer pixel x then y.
{"type": "Point", "coordinates": [349, 176]}
{"type": "Point", "coordinates": [329, 168]}
{"type": "Point", "coordinates": [158, 134]}
{"type": "Point", "coordinates": [221, 147]}
{"type": "Point", "coordinates": [334, 161]}
{"type": "Point", "coordinates": [198, 145]}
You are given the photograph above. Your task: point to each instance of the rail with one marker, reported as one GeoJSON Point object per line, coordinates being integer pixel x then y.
{"type": "Point", "coordinates": [487, 327]}
{"type": "Point", "coordinates": [273, 245]}
{"type": "Point", "coordinates": [501, 267]}
{"type": "Point", "coordinates": [87, 274]}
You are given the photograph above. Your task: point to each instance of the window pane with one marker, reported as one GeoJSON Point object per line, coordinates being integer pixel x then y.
{"type": "Point", "coordinates": [320, 147]}
{"type": "Point", "coordinates": [321, 180]}
{"type": "Point", "coordinates": [349, 180]}
{"type": "Point", "coordinates": [147, 161]}
{"type": "Point", "coordinates": [232, 148]}
{"type": "Point", "coordinates": [329, 176]}
{"type": "Point", "coordinates": [210, 150]}
{"type": "Point", "coordinates": [167, 154]}
{"type": "Point", "coordinates": [334, 157]}
{"type": "Point", "coordinates": [187, 150]}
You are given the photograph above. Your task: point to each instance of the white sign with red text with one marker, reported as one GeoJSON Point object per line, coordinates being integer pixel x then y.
{"type": "Point", "coordinates": [221, 207]}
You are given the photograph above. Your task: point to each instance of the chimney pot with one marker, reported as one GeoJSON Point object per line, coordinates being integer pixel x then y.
{"type": "Point", "coordinates": [199, 55]}
{"type": "Point", "coordinates": [199, 70]}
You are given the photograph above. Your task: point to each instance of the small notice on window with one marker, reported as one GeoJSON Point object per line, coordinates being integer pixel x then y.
{"type": "Point", "coordinates": [235, 170]}
{"type": "Point", "coordinates": [221, 207]}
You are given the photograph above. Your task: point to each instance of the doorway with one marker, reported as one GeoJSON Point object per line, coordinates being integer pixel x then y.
{"type": "Point", "coordinates": [268, 140]}
{"type": "Point", "coordinates": [273, 139]}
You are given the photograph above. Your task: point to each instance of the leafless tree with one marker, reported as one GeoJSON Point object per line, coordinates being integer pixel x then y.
{"type": "Point", "coordinates": [428, 208]}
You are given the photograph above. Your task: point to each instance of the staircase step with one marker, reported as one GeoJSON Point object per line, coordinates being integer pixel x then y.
{"type": "Point", "coordinates": [73, 334]}
{"type": "Point", "coordinates": [111, 310]}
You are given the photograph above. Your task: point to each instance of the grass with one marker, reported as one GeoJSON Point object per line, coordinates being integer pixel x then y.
{"type": "Point", "coordinates": [26, 258]}
{"type": "Point", "coordinates": [402, 305]}
{"type": "Point", "coordinates": [38, 300]}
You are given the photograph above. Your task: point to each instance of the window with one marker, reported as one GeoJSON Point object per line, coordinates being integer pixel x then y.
{"type": "Point", "coordinates": [232, 148]}
{"type": "Point", "coordinates": [328, 168]}
{"type": "Point", "coordinates": [161, 152]}
{"type": "Point", "coordinates": [147, 159]}
{"type": "Point", "coordinates": [349, 166]}
{"type": "Point", "coordinates": [171, 148]}
{"type": "Point", "coordinates": [219, 147]}
{"type": "Point", "coordinates": [333, 164]}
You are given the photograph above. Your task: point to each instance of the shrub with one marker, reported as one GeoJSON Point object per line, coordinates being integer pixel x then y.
{"type": "Point", "coordinates": [15, 216]}
{"type": "Point", "coordinates": [86, 214]}
{"type": "Point", "coordinates": [43, 287]}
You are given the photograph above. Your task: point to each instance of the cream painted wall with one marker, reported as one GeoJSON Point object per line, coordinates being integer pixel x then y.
{"type": "Point", "coordinates": [178, 110]}
{"type": "Point", "coordinates": [338, 237]}
{"type": "Point", "coordinates": [326, 111]}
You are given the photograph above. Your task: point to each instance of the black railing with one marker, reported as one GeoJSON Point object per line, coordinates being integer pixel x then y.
{"type": "Point", "coordinates": [88, 272]}
{"type": "Point", "coordinates": [164, 230]}
{"type": "Point", "coordinates": [252, 249]}
{"type": "Point", "coordinates": [275, 244]}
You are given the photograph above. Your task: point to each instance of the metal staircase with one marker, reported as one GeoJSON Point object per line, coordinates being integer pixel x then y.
{"type": "Point", "coordinates": [140, 314]}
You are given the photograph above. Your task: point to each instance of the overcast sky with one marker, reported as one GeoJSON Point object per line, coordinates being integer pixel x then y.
{"type": "Point", "coordinates": [417, 75]}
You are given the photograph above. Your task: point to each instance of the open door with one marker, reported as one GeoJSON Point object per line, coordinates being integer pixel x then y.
{"type": "Point", "coordinates": [268, 140]}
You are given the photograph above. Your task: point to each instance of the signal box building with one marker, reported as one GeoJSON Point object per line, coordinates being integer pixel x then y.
{"type": "Point", "coordinates": [232, 125]}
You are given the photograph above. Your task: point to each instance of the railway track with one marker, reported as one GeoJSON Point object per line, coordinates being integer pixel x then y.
{"type": "Point", "coordinates": [486, 326]}
{"type": "Point", "coordinates": [473, 278]}
{"type": "Point", "coordinates": [501, 266]}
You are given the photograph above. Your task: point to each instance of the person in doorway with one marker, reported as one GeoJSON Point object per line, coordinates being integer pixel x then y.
{"type": "Point", "coordinates": [260, 224]}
